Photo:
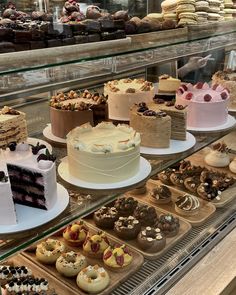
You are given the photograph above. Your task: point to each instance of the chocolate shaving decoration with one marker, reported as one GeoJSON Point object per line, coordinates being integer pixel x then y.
{"type": "Point", "coordinates": [130, 90]}
{"type": "Point", "coordinates": [161, 114]}
{"type": "Point", "coordinates": [220, 146]}
{"type": "Point", "coordinates": [150, 113]}
{"type": "Point", "coordinates": [170, 103]}
{"type": "Point", "coordinates": [3, 177]}
{"type": "Point", "coordinates": [9, 111]}
{"type": "Point", "coordinates": [180, 107]}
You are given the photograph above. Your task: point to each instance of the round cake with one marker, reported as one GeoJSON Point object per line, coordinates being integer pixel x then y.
{"type": "Point", "coordinates": [207, 106]}
{"type": "Point", "coordinates": [103, 154]}
{"type": "Point", "coordinates": [122, 94]}
{"type": "Point", "coordinates": [70, 110]}
{"type": "Point", "coordinates": [227, 79]}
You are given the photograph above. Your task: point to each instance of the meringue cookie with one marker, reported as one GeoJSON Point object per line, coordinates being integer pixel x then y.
{"type": "Point", "coordinates": [232, 166]}
{"type": "Point", "coordinates": [217, 159]}
{"type": "Point", "coordinates": [44, 164]}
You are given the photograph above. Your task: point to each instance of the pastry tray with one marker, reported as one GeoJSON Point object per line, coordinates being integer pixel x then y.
{"type": "Point", "coordinates": [116, 277]}
{"type": "Point", "coordinates": [198, 159]}
{"type": "Point", "coordinates": [170, 242]}
{"type": "Point", "coordinates": [206, 208]}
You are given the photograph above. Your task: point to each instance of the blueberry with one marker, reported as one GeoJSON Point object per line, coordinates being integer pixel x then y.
{"type": "Point", "coordinates": [12, 146]}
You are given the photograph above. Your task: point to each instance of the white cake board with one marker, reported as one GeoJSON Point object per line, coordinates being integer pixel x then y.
{"type": "Point", "coordinates": [176, 146]}
{"type": "Point", "coordinates": [29, 217]}
{"type": "Point", "coordinates": [34, 141]}
{"type": "Point", "coordinates": [47, 133]}
{"type": "Point", "coordinates": [232, 110]}
{"type": "Point", "coordinates": [144, 171]}
{"type": "Point", "coordinates": [229, 124]}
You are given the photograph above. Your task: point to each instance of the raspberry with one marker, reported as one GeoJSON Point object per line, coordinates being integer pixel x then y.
{"type": "Point", "coordinates": [207, 97]}
{"type": "Point", "coordinates": [224, 95]}
{"type": "Point", "coordinates": [189, 96]}
{"type": "Point", "coordinates": [199, 85]}
{"type": "Point", "coordinates": [215, 86]}
{"type": "Point", "coordinates": [184, 87]}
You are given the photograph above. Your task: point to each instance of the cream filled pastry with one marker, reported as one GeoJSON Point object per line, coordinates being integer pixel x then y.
{"type": "Point", "coordinates": [187, 205]}
{"type": "Point", "coordinates": [103, 154]}
{"type": "Point", "coordinates": [218, 156]}
{"type": "Point", "coordinates": [232, 166]}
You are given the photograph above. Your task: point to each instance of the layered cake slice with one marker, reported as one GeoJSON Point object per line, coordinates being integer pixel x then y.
{"type": "Point", "coordinates": [103, 154]}
{"type": "Point", "coordinates": [168, 84]}
{"type": "Point", "coordinates": [12, 126]}
{"type": "Point", "coordinates": [69, 110]}
{"type": "Point", "coordinates": [122, 94]}
{"type": "Point", "coordinates": [31, 178]}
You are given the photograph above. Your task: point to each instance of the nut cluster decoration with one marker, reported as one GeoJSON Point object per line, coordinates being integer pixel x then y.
{"type": "Point", "coordinates": [80, 105]}
{"type": "Point", "coordinates": [8, 111]}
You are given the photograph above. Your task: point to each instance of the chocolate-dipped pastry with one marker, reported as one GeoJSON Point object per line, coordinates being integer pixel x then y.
{"type": "Point", "coordinates": [177, 179]}
{"type": "Point", "coordinates": [93, 12]}
{"type": "Point", "coordinates": [39, 15]}
{"type": "Point", "coordinates": [92, 26]}
{"type": "Point", "coordinates": [168, 24]}
{"type": "Point", "coordinates": [187, 205]}
{"type": "Point", "coordinates": [164, 176]}
{"type": "Point", "coordinates": [208, 192]}
{"type": "Point", "coordinates": [136, 20]}
{"type": "Point", "coordinates": [144, 27]}
{"type": "Point", "coordinates": [121, 14]}
{"type": "Point", "coordinates": [105, 217]}
{"type": "Point", "coordinates": [107, 24]}
{"type": "Point", "coordinates": [127, 228]}
{"type": "Point", "coordinates": [151, 239]}
{"type": "Point", "coordinates": [191, 183]}
{"type": "Point", "coordinates": [130, 28]}
{"type": "Point", "coordinates": [125, 206]}
{"type": "Point", "coordinates": [161, 194]}
{"type": "Point", "coordinates": [168, 224]}
{"type": "Point", "coordinates": [119, 24]}
{"type": "Point", "coordinates": [70, 6]}
{"type": "Point", "coordinates": [145, 214]}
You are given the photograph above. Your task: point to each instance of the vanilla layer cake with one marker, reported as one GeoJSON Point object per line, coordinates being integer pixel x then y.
{"type": "Point", "coordinates": [154, 126]}
{"type": "Point", "coordinates": [12, 126]}
{"type": "Point", "coordinates": [168, 84]}
{"type": "Point", "coordinates": [122, 94]}
{"type": "Point", "coordinates": [70, 110]}
{"type": "Point", "coordinates": [31, 179]}
{"type": "Point", "coordinates": [103, 154]}
{"type": "Point", "coordinates": [178, 115]}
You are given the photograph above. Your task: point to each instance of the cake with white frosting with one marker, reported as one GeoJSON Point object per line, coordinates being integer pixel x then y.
{"type": "Point", "coordinates": [103, 154]}
{"type": "Point", "coordinates": [122, 94]}
{"type": "Point", "coordinates": [28, 177]}
{"type": "Point", "coordinates": [12, 126]}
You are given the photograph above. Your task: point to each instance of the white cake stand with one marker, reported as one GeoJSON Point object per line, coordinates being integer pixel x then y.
{"type": "Point", "coordinates": [29, 217]}
{"type": "Point", "coordinates": [34, 141]}
{"type": "Point", "coordinates": [231, 122]}
{"type": "Point", "coordinates": [144, 171]}
{"type": "Point", "coordinates": [176, 146]}
{"type": "Point", "coordinates": [47, 133]}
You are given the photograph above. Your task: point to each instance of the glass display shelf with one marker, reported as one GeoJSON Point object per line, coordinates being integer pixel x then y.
{"type": "Point", "coordinates": [80, 204]}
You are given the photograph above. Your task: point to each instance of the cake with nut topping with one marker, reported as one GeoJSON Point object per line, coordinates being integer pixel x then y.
{"type": "Point", "coordinates": [103, 154]}
{"type": "Point", "coordinates": [72, 109]}
{"type": "Point", "coordinates": [122, 94]}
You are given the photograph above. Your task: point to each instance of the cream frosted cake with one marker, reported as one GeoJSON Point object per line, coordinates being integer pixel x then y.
{"type": "Point", "coordinates": [227, 79]}
{"type": "Point", "coordinates": [206, 106]}
{"type": "Point", "coordinates": [158, 123]}
{"type": "Point", "coordinates": [168, 84]}
{"type": "Point", "coordinates": [12, 126]}
{"type": "Point", "coordinates": [122, 94]}
{"type": "Point", "coordinates": [103, 154]}
{"type": "Point", "coordinates": [28, 178]}
{"type": "Point", "coordinates": [69, 110]}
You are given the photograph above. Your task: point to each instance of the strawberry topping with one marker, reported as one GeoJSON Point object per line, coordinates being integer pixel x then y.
{"type": "Point", "coordinates": [95, 247]}
{"type": "Point", "coordinates": [120, 260]}
{"type": "Point", "coordinates": [224, 95]}
{"type": "Point", "coordinates": [199, 85]}
{"type": "Point", "coordinates": [107, 255]}
{"type": "Point", "coordinates": [207, 97]}
{"type": "Point", "coordinates": [189, 96]}
{"type": "Point", "coordinates": [73, 235]}
{"type": "Point", "coordinates": [215, 86]}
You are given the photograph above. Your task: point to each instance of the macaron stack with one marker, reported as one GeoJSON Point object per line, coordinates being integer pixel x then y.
{"type": "Point", "coordinates": [169, 9]}
{"type": "Point", "coordinates": [202, 8]}
{"type": "Point", "coordinates": [222, 12]}
{"type": "Point", "coordinates": [214, 9]}
{"type": "Point", "coordinates": [229, 9]}
{"type": "Point", "coordinates": [186, 12]}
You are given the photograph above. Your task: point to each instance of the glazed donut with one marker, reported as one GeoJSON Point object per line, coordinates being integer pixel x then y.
{"type": "Point", "coordinates": [70, 264]}
{"type": "Point", "coordinates": [93, 279]}
{"type": "Point", "coordinates": [48, 251]}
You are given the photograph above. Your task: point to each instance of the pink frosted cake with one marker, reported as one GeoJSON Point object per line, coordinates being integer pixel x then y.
{"type": "Point", "coordinates": [207, 106]}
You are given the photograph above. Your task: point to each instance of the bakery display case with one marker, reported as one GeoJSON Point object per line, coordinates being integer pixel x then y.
{"type": "Point", "coordinates": [28, 82]}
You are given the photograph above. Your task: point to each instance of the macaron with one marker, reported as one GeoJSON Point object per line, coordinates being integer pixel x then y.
{"type": "Point", "coordinates": [202, 16]}
{"type": "Point", "coordinates": [202, 6]}
{"type": "Point", "coordinates": [172, 16]}
{"type": "Point", "coordinates": [155, 16]}
{"type": "Point", "coordinates": [169, 6]}
{"type": "Point", "coordinates": [187, 18]}
{"type": "Point", "coordinates": [185, 6]}
{"type": "Point", "coordinates": [228, 3]}
{"type": "Point", "coordinates": [213, 16]}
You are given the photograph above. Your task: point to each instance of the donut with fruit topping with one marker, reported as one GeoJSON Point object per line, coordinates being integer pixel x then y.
{"type": "Point", "coordinates": [151, 239]}
{"type": "Point", "coordinates": [117, 257]}
{"type": "Point", "coordinates": [160, 194]}
{"type": "Point", "coordinates": [93, 279]}
{"type": "Point", "coordinates": [168, 224]}
{"type": "Point", "coordinates": [96, 244]}
{"type": "Point", "coordinates": [127, 228]}
{"type": "Point", "coordinates": [187, 205]}
{"type": "Point", "coordinates": [146, 215]}
{"type": "Point", "coordinates": [69, 264]}
{"type": "Point", "coordinates": [125, 206]}
{"type": "Point", "coordinates": [105, 217]}
{"type": "Point", "coordinates": [49, 251]}
{"type": "Point", "coordinates": [75, 234]}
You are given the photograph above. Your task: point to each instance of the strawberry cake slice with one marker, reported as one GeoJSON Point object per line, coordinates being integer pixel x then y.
{"type": "Point", "coordinates": [206, 106]}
